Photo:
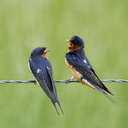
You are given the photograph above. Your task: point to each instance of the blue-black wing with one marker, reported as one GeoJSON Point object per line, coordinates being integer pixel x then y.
{"type": "Point", "coordinates": [54, 87]}
{"type": "Point", "coordinates": [45, 79]}
{"type": "Point", "coordinates": [83, 66]}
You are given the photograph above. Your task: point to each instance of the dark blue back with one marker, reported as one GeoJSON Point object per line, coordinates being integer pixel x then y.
{"type": "Point", "coordinates": [41, 63]}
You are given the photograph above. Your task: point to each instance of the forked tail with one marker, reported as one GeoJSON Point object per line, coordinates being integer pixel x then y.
{"type": "Point", "coordinates": [105, 94]}
{"type": "Point", "coordinates": [54, 104]}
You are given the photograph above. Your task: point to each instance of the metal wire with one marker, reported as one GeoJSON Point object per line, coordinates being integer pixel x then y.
{"type": "Point", "coordinates": [58, 81]}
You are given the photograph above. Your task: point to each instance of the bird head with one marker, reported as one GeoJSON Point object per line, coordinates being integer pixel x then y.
{"type": "Point", "coordinates": [75, 43]}
{"type": "Point", "coordinates": [40, 51]}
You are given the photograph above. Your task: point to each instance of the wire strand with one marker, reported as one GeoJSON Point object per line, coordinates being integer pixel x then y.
{"type": "Point", "coordinates": [58, 81]}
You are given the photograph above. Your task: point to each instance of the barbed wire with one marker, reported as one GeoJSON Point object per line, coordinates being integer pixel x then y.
{"type": "Point", "coordinates": [57, 81]}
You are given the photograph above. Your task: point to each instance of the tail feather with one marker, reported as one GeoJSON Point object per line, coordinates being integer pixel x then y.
{"type": "Point", "coordinates": [54, 104]}
{"type": "Point", "coordinates": [105, 94]}
{"type": "Point", "coordinates": [92, 85]}
{"type": "Point", "coordinates": [107, 90]}
{"type": "Point", "coordinates": [60, 107]}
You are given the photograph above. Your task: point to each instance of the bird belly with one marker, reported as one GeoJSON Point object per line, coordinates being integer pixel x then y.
{"type": "Point", "coordinates": [75, 74]}
{"type": "Point", "coordinates": [78, 75]}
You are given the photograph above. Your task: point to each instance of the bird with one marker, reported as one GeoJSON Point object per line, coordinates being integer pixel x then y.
{"type": "Point", "coordinates": [41, 69]}
{"type": "Point", "coordinates": [81, 68]}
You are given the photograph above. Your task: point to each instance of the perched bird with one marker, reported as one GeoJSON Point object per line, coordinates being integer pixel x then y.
{"type": "Point", "coordinates": [81, 68]}
{"type": "Point", "coordinates": [42, 71]}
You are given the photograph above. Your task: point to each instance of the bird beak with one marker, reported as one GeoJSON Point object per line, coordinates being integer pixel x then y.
{"type": "Point", "coordinates": [46, 50]}
{"type": "Point", "coordinates": [67, 40]}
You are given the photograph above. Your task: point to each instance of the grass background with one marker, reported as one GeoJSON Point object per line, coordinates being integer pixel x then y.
{"type": "Point", "coordinates": [26, 24]}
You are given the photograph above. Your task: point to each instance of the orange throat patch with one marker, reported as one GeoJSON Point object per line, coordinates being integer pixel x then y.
{"type": "Point", "coordinates": [73, 47]}
{"type": "Point", "coordinates": [44, 54]}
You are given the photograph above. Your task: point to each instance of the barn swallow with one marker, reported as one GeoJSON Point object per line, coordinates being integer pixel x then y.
{"type": "Point", "coordinates": [81, 68]}
{"type": "Point", "coordinates": [42, 71]}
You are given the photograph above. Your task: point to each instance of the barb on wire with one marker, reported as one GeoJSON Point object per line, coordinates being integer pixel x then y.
{"type": "Point", "coordinates": [58, 81]}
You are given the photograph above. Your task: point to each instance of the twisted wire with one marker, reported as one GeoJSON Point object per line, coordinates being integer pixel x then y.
{"type": "Point", "coordinates": [58, 81]}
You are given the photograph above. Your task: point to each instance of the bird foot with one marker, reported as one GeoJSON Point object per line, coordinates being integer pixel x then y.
{"type": "Point", "coordinates": [67, 81]}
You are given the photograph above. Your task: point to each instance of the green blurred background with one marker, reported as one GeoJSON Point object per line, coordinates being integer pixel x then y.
{"type": "Point", "coordinates": [27, 24]}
